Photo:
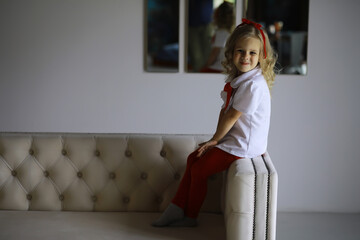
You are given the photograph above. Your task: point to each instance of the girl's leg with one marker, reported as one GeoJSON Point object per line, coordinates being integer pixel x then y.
{"type": "Point", "coordinates": [193, 187]}
{"type": "Point", "coordinates": [214, 161]}
{"type": "Point", "coordinates": [182, 194]}
{"type": "Point", "coordinates": [175, 211]}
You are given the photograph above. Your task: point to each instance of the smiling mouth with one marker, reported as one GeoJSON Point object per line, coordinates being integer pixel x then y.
{"type": "Point", "coordinates": [244, 63]}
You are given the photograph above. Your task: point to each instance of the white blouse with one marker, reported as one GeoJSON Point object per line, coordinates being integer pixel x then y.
{"type": "Point", "coordinates": [251, 96]}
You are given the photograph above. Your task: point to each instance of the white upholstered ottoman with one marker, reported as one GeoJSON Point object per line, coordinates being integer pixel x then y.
{"type": "Point", "coordinates": [251, 199]}
{"type": "Point", "coordinates": [126, 174]}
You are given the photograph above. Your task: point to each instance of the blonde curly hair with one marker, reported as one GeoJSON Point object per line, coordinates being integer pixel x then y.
{"type": "Point", "coordinates": [267, 64]}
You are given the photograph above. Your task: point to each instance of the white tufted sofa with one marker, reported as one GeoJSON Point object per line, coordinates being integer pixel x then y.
{"type": "Point", "coordinates": [112, 186]}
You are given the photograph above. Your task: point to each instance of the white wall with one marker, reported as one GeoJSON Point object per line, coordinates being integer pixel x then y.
{"type": "Point", "coordinates": [77, 66]}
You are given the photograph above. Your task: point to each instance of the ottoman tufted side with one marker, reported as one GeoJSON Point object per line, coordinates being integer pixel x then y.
{"type": "Point", "coordinates": [251, 199]}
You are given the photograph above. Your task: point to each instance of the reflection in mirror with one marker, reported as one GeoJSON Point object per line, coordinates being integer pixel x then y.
{"type": "Point", "coordinates": [162, 48]}
{"type": "Point", "coordinates": [287, 25]}
{"type": "Point", "coordinates": [209, 25]}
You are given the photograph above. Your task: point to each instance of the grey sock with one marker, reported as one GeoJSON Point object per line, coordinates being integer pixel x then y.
{"type": "Point", "coordinates": [185, 222]}
{"type": "Point", "coordinates": [171, 214]}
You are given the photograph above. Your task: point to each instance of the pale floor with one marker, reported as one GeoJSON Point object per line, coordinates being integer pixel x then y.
{"type": "Point", "coordinates": [318, 226]}
{"type": "Point", "coordinates": [33, 225]}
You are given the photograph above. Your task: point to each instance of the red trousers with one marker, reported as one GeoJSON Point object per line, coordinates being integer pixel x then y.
{"type": "Point", "coordinates": [193, 187]}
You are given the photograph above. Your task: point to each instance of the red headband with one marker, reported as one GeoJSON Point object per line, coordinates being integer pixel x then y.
{"type": "Point", "coordinates": [257, 26]}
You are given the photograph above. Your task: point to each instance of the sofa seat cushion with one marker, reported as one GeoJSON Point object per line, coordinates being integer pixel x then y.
{"type": "Point", "coordinates": [36, 225]}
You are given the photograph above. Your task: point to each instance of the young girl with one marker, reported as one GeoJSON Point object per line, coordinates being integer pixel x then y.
{"type": "Point", "coordinates": [243, 124]}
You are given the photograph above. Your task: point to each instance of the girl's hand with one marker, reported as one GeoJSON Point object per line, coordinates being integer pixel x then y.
{"type": "Point", "coordinates": [205, 146]}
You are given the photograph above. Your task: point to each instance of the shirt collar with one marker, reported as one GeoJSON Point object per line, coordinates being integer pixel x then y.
{"type": "Point", "coordinates": [235, 83]}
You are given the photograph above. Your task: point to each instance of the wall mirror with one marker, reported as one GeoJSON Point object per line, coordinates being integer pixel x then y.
{"type": "Point", "coordinates": [162, 36]}
{"type": "Point", "coordinates": [209, 24]}
{"type": "Point", "coordinates": [286, 23]}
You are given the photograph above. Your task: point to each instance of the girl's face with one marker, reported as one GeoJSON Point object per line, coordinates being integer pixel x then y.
{"type": "Point", "coordinates": [246, 54]}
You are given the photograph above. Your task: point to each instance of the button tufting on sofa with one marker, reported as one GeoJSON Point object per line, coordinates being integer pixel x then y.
{"type": "Point", "coordinates": [13, 173]}
{"type": "Point", "coordinates": [29, 197]}
{"type": "Point", "coordinates": [144, 176]}
{"type": "Point", "coordinates": [94, 198]}
{"type": "Point", "coordinates": [97, 153]}
{"type": "Point", "coordinates": [61, 197]}
{"type": "Point", "coordinates": [64, 152]}
{"type": "Point", "coordinates": [177, 176]}
{"type": "Point", "coordinates": [126, 200]}
{"type": "Point", "coordinates": [31, 152]}
{"type": "Point", "coordinates": [128, 153]}
{"type": "Point", "coordinates": [79, 175]}
{"type": "Point", "coordinates": [163, 153]}
{"type": "Point", "coordinates": [112, 175]}
{"type": "Point", "coordinates": [46, 173]}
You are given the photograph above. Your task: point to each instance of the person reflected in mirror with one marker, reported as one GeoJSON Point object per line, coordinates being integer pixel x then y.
{"type": "Point", "coordinates": [224, 18]}
{"type": "Point", "coordinates": [243, 123]}
{"type": "Point", "coordinates": [199, 33]}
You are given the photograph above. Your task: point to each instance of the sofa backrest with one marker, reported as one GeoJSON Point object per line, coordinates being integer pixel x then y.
{"type": "Point", "coordinates": [96, 172]}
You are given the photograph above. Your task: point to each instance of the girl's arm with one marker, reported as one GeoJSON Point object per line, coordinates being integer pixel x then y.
{"type": "Point", "coordinates": [221, 114]}
{"type": "Point", "coordinates": [226, 122]}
